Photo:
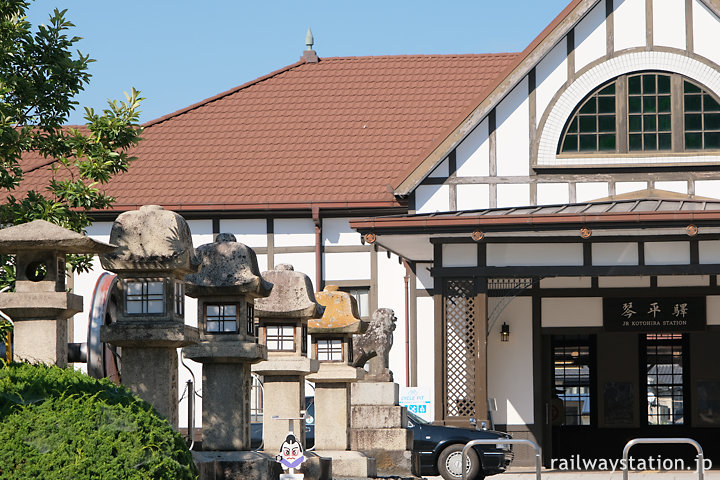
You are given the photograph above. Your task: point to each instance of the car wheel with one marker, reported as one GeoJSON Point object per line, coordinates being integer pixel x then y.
{"type": "Point", "coordinates": [449, 464]}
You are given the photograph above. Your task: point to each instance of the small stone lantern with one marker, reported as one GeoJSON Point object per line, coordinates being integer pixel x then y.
{"type": "Point", "coordinates": [225, 287]}
{"type": "Point", "coordinates": [332, 347]}
{"type": "Point", "coordinates": [40, 305]}
{"type": "Point", "coordinates": [283, 318]}
{"type": "Point", "coordinates": [154, 254]}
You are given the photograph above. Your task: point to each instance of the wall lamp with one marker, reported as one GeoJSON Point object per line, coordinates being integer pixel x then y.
{"type": "Point", "coordinates": [505, 332]}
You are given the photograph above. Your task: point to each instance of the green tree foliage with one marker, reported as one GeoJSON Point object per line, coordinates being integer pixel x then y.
{"type": "Point", "coordinates": [58, 424]}
{"type": "Point", "coordinates": [39, 77]}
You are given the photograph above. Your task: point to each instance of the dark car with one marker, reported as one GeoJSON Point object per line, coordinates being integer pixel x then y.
{"type": "Point", "coordinates": [437, 449]}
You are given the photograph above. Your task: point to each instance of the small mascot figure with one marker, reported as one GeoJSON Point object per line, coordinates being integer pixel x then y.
{"type": "Point", "coordinates": [291, 453]}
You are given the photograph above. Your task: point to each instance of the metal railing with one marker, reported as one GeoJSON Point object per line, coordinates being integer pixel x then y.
{"type": "Point", "coordinates": [495, 441]}
{"type": "Point", "coordinates": [686, 441]}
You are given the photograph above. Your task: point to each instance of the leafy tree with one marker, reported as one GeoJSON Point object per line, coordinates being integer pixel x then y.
{"type": "Point", "coordinates": [39, 77]}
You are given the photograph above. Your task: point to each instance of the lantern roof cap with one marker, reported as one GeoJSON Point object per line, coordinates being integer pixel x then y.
{"type": "Point", "coordinates": [41, 235]}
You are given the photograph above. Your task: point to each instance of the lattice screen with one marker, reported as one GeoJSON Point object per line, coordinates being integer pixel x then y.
{"type": "Point", "coordinates": [460, 347]}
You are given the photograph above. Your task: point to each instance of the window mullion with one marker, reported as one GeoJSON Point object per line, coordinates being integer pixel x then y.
{"type": "Point", "coordinates": [676, 92]}
{"type": "Point", "coordinates": [621, 118]}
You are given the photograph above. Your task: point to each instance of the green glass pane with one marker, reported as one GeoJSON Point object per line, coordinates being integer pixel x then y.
{"type": "Point", "coordinates": [635, 123]}
{"type": "Point", "coordinates": [649, 123]}
{"type": "Point", "coordinates": [589, 107]}
{"type": "Point", "coordinates": [648, 84]}
{"type": "Point", "coordinates": [606, 104]}
{"type": "Point", "coordinates": [609, 90]}
{"type": "Point", "coordinates": [693, 121]}
{"type": "Point", "coordinates": [712, 121]}
{"type": "Point", "coordinates": [690, 88]}
{"type": "Point", "coordinates": [663, 84]}
{"type": "Point", "coordinates": [634, 85]}
{"type": "Point", "coordinates": [693, 103]}
{"type": "Point", "coordinates": [710, 104]}
{"type": "Point", "coordinates": [588, 143]}
{"type": "Point", "coordinates": [650, 141]}
{"type": "Point", "coordinates": [649, 105]}
{"type": "Point", "coordinates": [664, 103]}
{"type": "Point", "coordinates": [588, 124]}
{"type": "Point", "coordinates": [634, 105]}
{"type": "Point", "coordinates": [635, 142]}
{"type": "Point", "coordinates": [573, 125]}
{"type": "Point", "coordinates": [712, 140]}
{"type": "Point", "coordinates": [693, 141]}
{"type": "Point", "coordinates": [570, 144]}
{"type": "Point", "coordinates": [606, 123]}
{"type": "Point", "coordinates": [664, 123]}
{"type": "Point", "coordinates": [665, 141]}
{"type": "Point", "coordinates": [607, 142]}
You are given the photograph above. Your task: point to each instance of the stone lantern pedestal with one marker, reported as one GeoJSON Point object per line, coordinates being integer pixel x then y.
{"type": "Point", "coordinates": [40, 306]}
{"type": "Point", "coordinates": [154, 254]}
{"type": "Point", "coordinates": [332, 347]}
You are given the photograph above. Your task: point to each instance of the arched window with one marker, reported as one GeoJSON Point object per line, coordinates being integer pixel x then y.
{"type": "Point", "coordinates": [648, 112]}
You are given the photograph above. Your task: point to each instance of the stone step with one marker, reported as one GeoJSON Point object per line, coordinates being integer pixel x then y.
{"type": "Point", "coordinates": [376, 416]}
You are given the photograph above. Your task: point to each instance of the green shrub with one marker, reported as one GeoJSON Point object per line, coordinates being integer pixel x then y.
{"type": "Point", "coordinates": [62, 424]}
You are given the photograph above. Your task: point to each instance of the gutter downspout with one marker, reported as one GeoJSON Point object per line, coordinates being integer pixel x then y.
{"type": "Point", "coordinates": [407, 321]}
{"type": "Point", "coordinates": [318, 248]}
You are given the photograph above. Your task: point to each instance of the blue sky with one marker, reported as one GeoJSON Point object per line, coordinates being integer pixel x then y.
{"type": "Point", "coordinates": [180, 52]}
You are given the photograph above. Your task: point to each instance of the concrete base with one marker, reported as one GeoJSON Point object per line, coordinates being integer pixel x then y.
{"type": "Point", "coordinates": [152, 374]}
{"type": "Point", "coordinates": [392, 462]}
{"type": "Point", "coordinates": [236, 466]}
{"type": "Point", "coordinates": [283, 397]}
{"type": "Point", "coordinates": [41, 341]}
{"type": "Point", "coordinates": [350, 464]}
{"type": "Point", "coordinates": [374, 393]}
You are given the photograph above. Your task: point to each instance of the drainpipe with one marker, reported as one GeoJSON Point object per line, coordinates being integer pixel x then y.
{"type": "Point", "coordinates": [318, 248]}
{"type": "Point", "coordinates": [407, 321]}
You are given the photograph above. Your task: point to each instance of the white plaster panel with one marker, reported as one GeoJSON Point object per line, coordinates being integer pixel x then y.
{"type": "Point", "coordinates": [709, 251]}
{"type": "Point", "coordinates": [552, 193]}
{"type": "Point", "coordinates": [301, 262]}
{"type": "Point", "coordinates": [426, 343]}
{"type": "Point", "coordinates": [590, 41]}
{"type": "Point", "coordinates": [572, 312]}
{"type": "Point", "coordinates": [472, 155]}
{"type": "Point", "coordinates": [441, 171]}
{"type": "Point", "coordinates": [202, 232]}
{"type": "Point", "coordinates": [423, 279]}
{"type": "Point", "coordinates": [625, 253]}
{"type": "Point", "coordinates": [551, 74]}
{"type": "Point", "coordinates": [294, 232]}
{"type": "Point", "coordinates": [584, 192]}
{"type": "Point", "coordinates": [629, 24]}
{"type": "Point", "coordinates": [473, 196]}
{"type": "Point", "coordinates": [391, 294]}
{"type": "Point", "coordinates": [432, 198]}
{"type": "Point", "coordinates": [534, 254]}
{"type": "Point", "coordinates": [683, 280]}
{"type": "Point", "coordinates": [623, 282]}
{"type": "Point", "coordinates": [337, 231]}
{"type": "Point", "coordinates": [510, 377]}
{"type": "Point", "coordinates": [713, 309]}
{"type": "Point", "coordinates": [627, 187]}
{"type": "Point", "coordinates": [669, 23]}
{"type": "Point", "coordinates": [667, 253]}
{"type": "Point", "coordinates": [346, 266]}
{"type": "Point", "coordinates": [99, 231]}
{"type": "Point", "coordinates": [512, 138]}
{"type": "Point", "coordinates": [459, 255]}
{"type": "Point", "coordinates": [566, 282]}
{"type": "Point", "coordinates": [262, 262]}
{"type": "Point", "coordinates": [252, 231]}
{"type": "Point", "coordinates": [707, 188]}
{"type": "Point", "coordinates": [513, 195]}
{"type": "Point", "coordinates": [679, 187]}
{"type": "Point", "coordinates": [705, 32]}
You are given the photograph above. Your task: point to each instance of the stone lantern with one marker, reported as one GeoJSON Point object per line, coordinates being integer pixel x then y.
{"type": "Point", "coordinates": [41, 305]}
{"type": "Point", "coordinates": [154, 254]}
{"type": "Point", "coordinates": [225, 287]}
{"type": "Point", "coordinates": [282, 327]}
{"type": "Point", "coordinates": [332, 347]}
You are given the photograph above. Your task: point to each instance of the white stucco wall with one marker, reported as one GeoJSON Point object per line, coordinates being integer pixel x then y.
{"type": "Point", "coordinates": [590, 39]}
{"type": "Point", "coordinates": [513, 194]}
{"type": "Point", "coordinates": [472, 156]}
{"type": "Point", "coordinates": [473, 196]}
{"type": "Point", "coordinates": [669, 23]}
{"type": "Point", "coordinates": [301, 262]}
{"type": "Point", "coordinates": [551, 74]}
{"type": "Point", "coordinates": [251, 232]}
{"type": "Point", "coordinates": [391, 294]}
{"type": "Point", "coordinates": [426, 344]}
{"type": "Point", "coordinates": [337, 231]}
{"type": "Point", "coordinates": [534, 254]}
{"type": "Point", "coordinates": [294, 232]}
{"type": "Point", "coordinates": [629, 24]}
{"type": "Point", "coordinates": [705, 28]}
{"type": "Point", "coordinates": [615, 253]}
{"type": "Point", "coordinates": [346, 266]}
{"type": "Point", "coordinates": [459, 255]}
{"type": "Point", "coordinates": [432, 198]}
{"type": "Point", "coordinates": [552, 193]}
{"type": "Point", "coordinates": [513, 121]}
{"type": "Point", "coordinates": [572, 312]}
{"type": "Point", "coordinates": [667, 253]}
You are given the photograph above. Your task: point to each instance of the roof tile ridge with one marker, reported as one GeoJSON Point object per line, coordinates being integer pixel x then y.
{"type": "Point", "coordinates": [223, 94]}
{"type": "Point", "coordinates": [423, 55]}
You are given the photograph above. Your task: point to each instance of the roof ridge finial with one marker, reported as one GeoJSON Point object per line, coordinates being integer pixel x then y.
{"type": "Point", "coordinates": [309, 54]}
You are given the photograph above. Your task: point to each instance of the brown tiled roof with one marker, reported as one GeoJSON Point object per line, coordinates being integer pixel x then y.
{"type": "Point", "coordinates": [339, 132]}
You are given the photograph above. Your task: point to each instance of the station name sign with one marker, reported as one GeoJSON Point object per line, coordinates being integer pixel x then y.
{"type": "Point", "coordinates": [654, 314]}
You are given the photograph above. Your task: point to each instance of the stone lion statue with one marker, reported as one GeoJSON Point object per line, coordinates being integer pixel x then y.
{"type": "Point", "coordinates": [374, 345]}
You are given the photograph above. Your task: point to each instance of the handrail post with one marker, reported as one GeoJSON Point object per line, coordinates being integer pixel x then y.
{"type": "Point", "coordinates": [495, 441]}
{"type": "Point", "coordinates": [700, 459]}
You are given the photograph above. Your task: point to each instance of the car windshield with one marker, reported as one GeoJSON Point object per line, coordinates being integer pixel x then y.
{"type": "Point", "coordinates": [414, 418]}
